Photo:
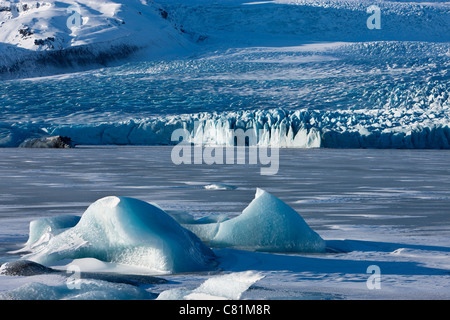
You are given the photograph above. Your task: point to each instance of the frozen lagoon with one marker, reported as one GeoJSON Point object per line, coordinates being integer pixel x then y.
{"type": "Point", "coordinates": [376, 207]}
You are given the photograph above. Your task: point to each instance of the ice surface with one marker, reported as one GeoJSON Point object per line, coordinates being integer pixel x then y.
{"type": "Point", "coordinates": [88, 290]}
{"type": "Point", "coordinates": [267, 224]}
{"type": "Point", "coordinates": [228, 286]}
{"type": "Point", "coordinates": [128, 231]}
{"type": "Point", "coordinates": [347, 189]}
{"type": "Point", "coordinates": [92, 266]}
{"type": "Point", "coordinates": [256, 22]}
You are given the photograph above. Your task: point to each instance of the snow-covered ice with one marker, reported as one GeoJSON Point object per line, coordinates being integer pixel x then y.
{"type": "Point", "coordinates": [228, 286]}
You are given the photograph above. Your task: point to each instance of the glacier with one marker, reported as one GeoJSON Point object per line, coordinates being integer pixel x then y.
{"type": "Point", "coordinates": [385, 128]}
{"type": "Point", "coordinates": [274, 67]}
{"type": "Point", "coordinates": [37, 40]}
{"type": "Point", "coordinates": [358, 95]}
{"type": "Point", "coordinates": [126, 231]}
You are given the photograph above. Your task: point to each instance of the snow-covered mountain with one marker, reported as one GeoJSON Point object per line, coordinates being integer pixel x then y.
{"type": "Point", "coordinates": [41, 37]}
{"type": "Point", "coordinates": [63, 34]}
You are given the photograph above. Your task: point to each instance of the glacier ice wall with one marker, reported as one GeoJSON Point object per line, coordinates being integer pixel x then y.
{"type": "Point", "coordinates": [131, 232]}
{"type": "Point", "coordinates": [377, 128]}
{"type": "Point", "coordinates": [402, 128]}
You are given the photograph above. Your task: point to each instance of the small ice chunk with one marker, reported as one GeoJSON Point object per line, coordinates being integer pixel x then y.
{"type": "Point", "coordinates": [219, 186]}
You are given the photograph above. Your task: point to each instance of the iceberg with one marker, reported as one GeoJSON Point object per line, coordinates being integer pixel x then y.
{"type": "Point", "coordinates": [131, 232]}
{"type": "Point", "coordinates": [266, 224]}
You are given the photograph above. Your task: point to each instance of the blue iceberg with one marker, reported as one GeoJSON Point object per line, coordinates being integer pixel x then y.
{"type": "Point", "coordinates": [135, 233]}
{"type": "Point", "coordinates": [131, 232]}
{"type": "Point", "coordinates": [267, 224]}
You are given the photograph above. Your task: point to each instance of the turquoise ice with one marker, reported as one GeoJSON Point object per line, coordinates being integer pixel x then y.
{"type": "Point", "coordinates": [131, 232]}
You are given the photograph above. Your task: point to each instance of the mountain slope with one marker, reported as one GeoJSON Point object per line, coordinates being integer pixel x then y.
{"type": "Point", "coordinates": [39, 38]}
{"type": "Point", "coordinates": [50, 37]}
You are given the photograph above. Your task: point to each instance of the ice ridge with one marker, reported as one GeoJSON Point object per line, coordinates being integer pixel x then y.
{"type": "Point", "coordinates": [402, 128]}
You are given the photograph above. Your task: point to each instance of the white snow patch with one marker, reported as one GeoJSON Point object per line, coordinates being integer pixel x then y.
{"type": "Point", "coordinates": [229, 286]}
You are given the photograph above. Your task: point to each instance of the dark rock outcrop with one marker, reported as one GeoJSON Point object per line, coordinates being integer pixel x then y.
{"type": "Point", "coordinates": [48, 142]}
{"type": "Point", "coordinates": [24, 268]}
